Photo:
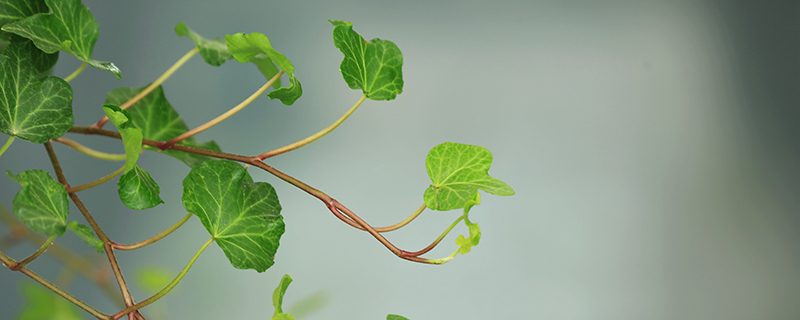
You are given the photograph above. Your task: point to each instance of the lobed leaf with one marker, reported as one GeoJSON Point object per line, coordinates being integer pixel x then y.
{"type": "Point", "coordinates": [137, 189]}
{"type": "Point", "coordinates": [42, 202]}
{"type": "Point", "coordinates": [457, 171]}
{"type": "Point", "coordinates": [256, 48]}
{"type": "Point", "coordinates": [86, 234]}
{"type": "Point", "coordinates": [243, 216]}
{"type": "Point", "coordinates": [69, 27]}
{"type": "Point", "coordinates": [158, 120]}
{"type": "Point", "coordinates": [214, 52]}
{"type": "Point", "coordinates": [13, 10]}
{"type": "Point", "coordinates": [42, 303]}
{"type": "Point", "coordinates": [277, 299]}
{"type": "Point", "coordinates": [32, 107]}
{"type": "Point", "coordinates": [375, 67]}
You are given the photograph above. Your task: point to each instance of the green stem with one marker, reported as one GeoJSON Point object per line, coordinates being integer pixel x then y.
{"type": "Point", "coordinates": [90, 152]}
{"type": "Point", "coordinates": [313, 137]}
{"type": "Point", "coordinates": [166, 289]}
{"type": "Point", "coordinates": [154, 238]}
{"type": "Point", "coordinates": [42, 249]}
{"type": "Point", "coordinates": [152, 86]}
{"type": "Point", "coordinates": [443, 260]}
{"type": "Point", "coordinates": [96, 182]}
{"type": "Point", "coordinates": [75, 73]}
{"type": "Point", "coordinates": [94, 312]}
{"type": "Point", "coordinates": [223, 116]}
{"type": "Point", "coordinates": [439, 239]}
{"type": "Point", "coordinates": [5, 146]}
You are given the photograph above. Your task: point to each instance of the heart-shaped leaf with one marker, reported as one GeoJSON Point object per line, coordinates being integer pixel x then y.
{"type": "Point", "coordinates": [42, 202]}
{"type": "Point", "coordinates": [457, 171]}
{"type": "Point", "coordinates": [243, 216]}
{"type": "Point", "coordinates": [158, 120]}
{"type": "Point", "coordinates": [86, 234]}
{"type": "Point", "coordinates": [375, 67]}
{"type": "Point", "coordinates": [137, 189]}
{"type": "Point", "coordinates": [214, 52]}
{"type": "Point", "coordinates": [277, 299]}
{"type": "Point", "coordinates": [69, 27]}
{"type": "Point", "coordinates": [32, 108]}
{"type": "Point", "coordinates": [256, 48]}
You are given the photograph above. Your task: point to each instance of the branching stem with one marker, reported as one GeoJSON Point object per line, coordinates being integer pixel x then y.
{"type": "Point", "coordinates": [24, 262]}
{"type": "Point", "coordinates": [166, 289]}
{"type": "Point", "coordinates": [223, 116]}
{"type": "Point", "coordinates": [313, 137]}
{"type": "Point", "coordinates": [152, 86]}
{"type": "Point", "coordinates": [152, 239]}
{"type": "Point", "coordinates": [90, 152]}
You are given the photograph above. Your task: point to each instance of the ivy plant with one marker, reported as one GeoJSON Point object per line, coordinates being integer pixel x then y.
{"type": "Point", "coordinates": [242, 216]}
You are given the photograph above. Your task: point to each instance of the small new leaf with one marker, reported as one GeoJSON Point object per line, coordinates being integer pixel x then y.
{"type": "Point", "coordinates": [137, 189]}
{"type": "Point", "coordinates": [256, 48]}
{"type": "Point", "coordinates": [32, 108]}
{"type": "Point", "coordinates": [158, 120]}
{"type": "Point", "coordinates": [243, 216]}
{"type": "Point", "coordinates": [214, 52]}
{"type": "Point", "coordinates": [86, 235]}
{"type": "Point", "coordinates": [277, 299]}
{"type": "Point", "coordinates": [457, 171]}
{"type": "Point", "coordinates": [69, 27]}
{"type": "Point", "coordinates": [42, 303]}
{"type": "Point", "coordinates": [375, 67]}
{"type": "Point", "coordinates": [466, 244]}
{"type": "Point", "coordinates": [42, 202]}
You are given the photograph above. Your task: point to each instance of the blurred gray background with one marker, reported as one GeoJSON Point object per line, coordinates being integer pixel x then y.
{"type": "Point", "coordinates": [653, 147]}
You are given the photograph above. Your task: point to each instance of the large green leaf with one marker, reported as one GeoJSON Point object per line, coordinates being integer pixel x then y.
{"type": "Point", "coordinates": [277, 299]}
{"type": "Point", "coordinates": [13, 10]}
{"type": "Point", "coordinates": [137, 189]}
{"type": "Point", "coordinates": [375, 67]}
{"type": "Point", "coordinates": [86, 234]}
{"type": "Point", "coordinates": [43, 304]}
{"type": "Point", "coordinates": [256, 47]}
{"type": "Point", "coordinates": [243, 216]}
{"type": "Point", "coordinates": [69, 27]}
{"type": "Point", "coordinates": [457, 171]}
{"type": "Point", "coordinates": [42, 202]}
{"type": "Point", "coordinates": [32, 107]}
{"type": "Point", "coordinates": [214, 51]}
{"type": "Point", "coordinates": [157, 120]}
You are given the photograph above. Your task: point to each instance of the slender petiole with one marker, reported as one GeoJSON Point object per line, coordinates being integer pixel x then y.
{"type": "Point", "coordinates": [166, 289]}
{"type": "Point", "coordinates": [90, 152]}
{"type": "Point", "coordinates": [152, 86]}
{"type": "Point", "coordinates": [32, 257]}
{"type": "Point", "coordinates": [96, 182]}
{"type": "Point", "coordinates": [313, 137]}
{"type": "Point", "coordinates": [439, 239]}
{"type": "Point", "coordinates": [5, 146]}
{"type": "Point", "coordinates": [384, 229]}
{"type": "Point", "coordinates": [223, 116]}
{"type": "Point", "coordinates": [152, 239]}
{"type": "Point", "coordinates": [75, 73]}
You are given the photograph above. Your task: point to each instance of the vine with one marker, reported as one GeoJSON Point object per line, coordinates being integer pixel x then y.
{"type": "Point", "coordinates": [242, 216]}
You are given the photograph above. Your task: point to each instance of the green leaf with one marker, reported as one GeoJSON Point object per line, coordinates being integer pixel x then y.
{"type": "Point", "coordinates": [457, 171]}
{"type": "Point", "coordinates": [256, 47]}
{"type": "Point", "coordinates": [43, 304]}
{"type": "Point", "coordinates": [40, 60]}
{"type": "Point", "coordinates": [277, 299]}
{"type": "Point", "coordinates": [375, 67]}
{"type": "Point", "coordinates": [13, 10]}
{"type": "Point", "coordinates": [466, 244]}
{"type": "Point", "coordinates": [395, 317]}
{"type": "Point", "coordinates": [157, 120]}
{"type": "Point", "coordinates": [70, 27]}
{"type": "Point", "coordinates": [214, 51]}
{"type": "Point", "coordinates": [42, 202]}
{"type": "Point", "coordinates": [152, 279]}
{"type": "Point", "coordinates": [32, 108]}
{"type": "Point", "coordinates": [86, 235]}
{"type": "Point", "coordinates": [138, 190]}
{"type": "Point", "coordinates": [243, 216]}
